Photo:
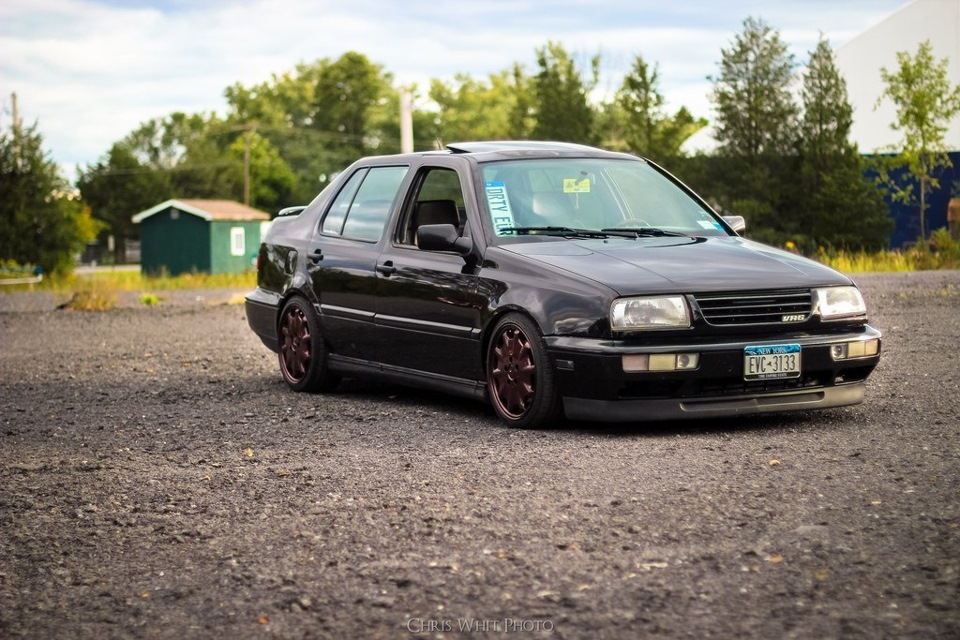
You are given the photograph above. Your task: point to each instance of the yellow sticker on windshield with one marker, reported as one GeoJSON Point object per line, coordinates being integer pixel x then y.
{"type": "Point", "coordinates": [576, 185]}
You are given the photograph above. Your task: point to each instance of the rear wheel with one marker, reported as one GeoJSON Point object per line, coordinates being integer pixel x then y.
{"type": "Point", "coordinates": [520, 377]}
{"type": "Point", "coordinates": [303, 352]}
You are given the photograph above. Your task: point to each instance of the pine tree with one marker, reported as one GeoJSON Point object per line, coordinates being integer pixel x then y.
{"type": "Point", "coordinates": [562, 110]}
{"type": "Point", "coordinates": [837, 204]}
{"type": "Point", "coordinates": [41, 221]}
{"type": "Point", "coordinates": [756, 122]}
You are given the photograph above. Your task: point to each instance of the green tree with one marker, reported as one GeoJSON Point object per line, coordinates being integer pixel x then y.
{"type": "Point", "coordinates": [203, 156]}
{"type": "Point", "coordinates": [474, 109]}
{"type": "Point", "coordinates": [523, 108]}
{"type": "Point", "coordinates": [271, 180]}
{"type": "Point", "coordinates": [320, 117]}
{"type": "Point", "coordinates": [643, 108]}
{"type": "Point", "coordinates": [926, 102]}
{"type": "Point", "coordinates": [756, 121]}
{"type": "Point", "coordinates": [561, 90]}
{"type": "Point", "coordinates": [837, 204]}
{"type": "Point", "coordinates": [283, 110]}
{"type": "Point", "coordinates": [41, 221]}
{"type": "Point", "coordinates": [118, 187]}
{"type": "Point", "coordinates": [347, 94]}
{"type": "Point", "coordinates": [638, 121]}
{"type": "Point", "coordinates": [192, 150]}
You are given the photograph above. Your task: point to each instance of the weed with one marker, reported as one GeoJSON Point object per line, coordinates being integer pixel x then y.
{"type": "Point", "coordinates": [92, 299]}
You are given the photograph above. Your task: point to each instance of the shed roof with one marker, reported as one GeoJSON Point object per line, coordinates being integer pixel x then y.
{"type": "Point", "coordinates": [207, 209]}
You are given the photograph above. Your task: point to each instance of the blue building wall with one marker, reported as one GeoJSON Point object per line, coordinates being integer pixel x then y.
{"type": "Point", "coordinates": [907, 218]}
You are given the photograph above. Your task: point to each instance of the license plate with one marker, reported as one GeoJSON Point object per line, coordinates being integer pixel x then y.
{"type": "Point", "coordinates": [769, 362]}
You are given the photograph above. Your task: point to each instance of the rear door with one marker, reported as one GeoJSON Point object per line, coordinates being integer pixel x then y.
{"type": "Point", "coordinates": [342, 258]}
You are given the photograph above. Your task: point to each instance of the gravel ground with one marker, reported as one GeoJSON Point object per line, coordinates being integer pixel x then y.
{"type": "Point", "coordinates": [158, 480]}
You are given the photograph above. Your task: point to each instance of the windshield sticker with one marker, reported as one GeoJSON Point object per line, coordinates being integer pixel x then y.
{"type": "Point", "coordinates": [576, 185]}
{"type": "Point", "coordinates": [499, 204]}
{"type": "Point", "coordinates": [710, 224]}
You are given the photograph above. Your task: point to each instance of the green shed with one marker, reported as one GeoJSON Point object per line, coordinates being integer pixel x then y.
{"type": "Point", "coordinates": [211, 236]}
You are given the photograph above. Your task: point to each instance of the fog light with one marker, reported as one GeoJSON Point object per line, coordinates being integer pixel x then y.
{"type": "Point", "coordinates": [660, 362]}
{"type": "Point", "coordinates": [858, 349]}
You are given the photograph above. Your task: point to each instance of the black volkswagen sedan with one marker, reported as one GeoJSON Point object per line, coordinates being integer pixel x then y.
{"type": "Point", "coordinates": [552, 280]}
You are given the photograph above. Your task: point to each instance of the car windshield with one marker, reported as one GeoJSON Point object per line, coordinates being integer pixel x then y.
{"type": "Point", "coordinates": [587, 197]}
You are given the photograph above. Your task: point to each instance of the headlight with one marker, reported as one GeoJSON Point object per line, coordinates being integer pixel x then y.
{"type": "Point", "coordinates": [633, 314]}
{"type": "Point", "coordinates": [840, 302]}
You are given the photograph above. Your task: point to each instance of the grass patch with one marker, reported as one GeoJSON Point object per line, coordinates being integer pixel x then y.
{"type": "Point", "coordinates": [92, 299]}
{"type": "Point", "coordinates": [149, 299]}
{"type": "Point", "coordinates": [136, 281]}
{"type": "Point", "coordinates": [862, 262]}
{"type": "Point", "coordinates": [941, 251]}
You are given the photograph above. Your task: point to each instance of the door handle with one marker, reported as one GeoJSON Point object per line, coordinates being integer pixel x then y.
{"type": "Point", "coordinates": [387, 268]}
{"type": "Point", "coordinates": [316, 256]}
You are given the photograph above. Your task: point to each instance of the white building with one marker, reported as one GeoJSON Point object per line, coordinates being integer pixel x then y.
{"type": "Point", "coordinates": [860, 60]}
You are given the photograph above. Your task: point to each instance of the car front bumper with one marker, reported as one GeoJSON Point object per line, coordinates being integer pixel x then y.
{"type": "Point", "coordinates": [595, 387]}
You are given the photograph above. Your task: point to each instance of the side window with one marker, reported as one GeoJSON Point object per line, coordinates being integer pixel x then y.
{"type": "Point", "coordinates": [361, 209]}
{"type": "Point", "coordinates": [439, 201]}
{"type": "Point", "coordinates": [333, 221]}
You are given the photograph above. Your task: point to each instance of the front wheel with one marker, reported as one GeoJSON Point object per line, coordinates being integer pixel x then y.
{"type": "Point", "coordinates": [520, 377]}
{"type": "Point", "coordinates": [303, 352]}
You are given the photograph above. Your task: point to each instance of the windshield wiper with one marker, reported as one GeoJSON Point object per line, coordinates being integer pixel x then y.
{"type": "Point", "coordinates": [644, 231]}
{"type": "Point", "coordinates": [565, 232]}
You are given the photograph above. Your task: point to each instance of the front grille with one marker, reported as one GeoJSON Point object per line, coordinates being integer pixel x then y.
{"type": "Point", "coordinates": [755, 307]}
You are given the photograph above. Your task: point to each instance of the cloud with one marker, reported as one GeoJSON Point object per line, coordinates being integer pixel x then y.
{"type": "Point", "coordinates": [91, 71]}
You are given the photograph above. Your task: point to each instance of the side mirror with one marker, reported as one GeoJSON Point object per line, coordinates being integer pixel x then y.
{"type": "Point", "coordinates": [737, 223]}
{"type": "Point", "coordinates": [443, 237]}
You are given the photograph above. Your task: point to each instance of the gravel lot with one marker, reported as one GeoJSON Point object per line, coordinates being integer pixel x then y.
{"type": "Point", "coordinates": [158, 480]}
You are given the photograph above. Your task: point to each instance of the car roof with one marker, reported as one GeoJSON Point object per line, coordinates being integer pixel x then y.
{"type": "Point", "coordinates": [517, 145]}
{"type": "Point", "coordinates": [499, 149]}
{"type": "Point", "coordinates": [490, 150]}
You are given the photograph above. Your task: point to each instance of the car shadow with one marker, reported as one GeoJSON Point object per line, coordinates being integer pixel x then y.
{"type": "Point", "coordinates": [372, 391]}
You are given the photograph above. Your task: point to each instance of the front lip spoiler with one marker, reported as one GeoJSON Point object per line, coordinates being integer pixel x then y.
{"type": "Point", "coordinates": [648, 410]}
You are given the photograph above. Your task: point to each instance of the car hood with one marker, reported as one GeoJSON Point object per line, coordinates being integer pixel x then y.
{"type": "Point", "coordinates": [676, 265]}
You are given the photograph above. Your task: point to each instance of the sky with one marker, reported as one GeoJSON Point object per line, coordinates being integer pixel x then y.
{"type": "Point", "coordinates": [88, 72]}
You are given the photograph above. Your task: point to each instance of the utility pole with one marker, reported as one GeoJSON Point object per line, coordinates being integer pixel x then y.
{"type": "Point", "coordinates": [246, 166]}
{"type": "Point", "coordinates": [16, 130]}
{"type": "Point", "coordinates": [406, 121]}
{"type": "Point", "coordinates": [248, 130]}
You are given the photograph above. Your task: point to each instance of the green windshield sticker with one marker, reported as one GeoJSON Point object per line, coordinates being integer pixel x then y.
{"type": "Point", "coordinates": [576, 185]}
{"type": "Point", "coordinates": [499, 204]}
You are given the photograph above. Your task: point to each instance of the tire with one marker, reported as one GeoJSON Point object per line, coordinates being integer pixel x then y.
{"type": "Point", "coordinates": [303, 351]}
{"type": "Point", "coordinates": [520, 376]}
